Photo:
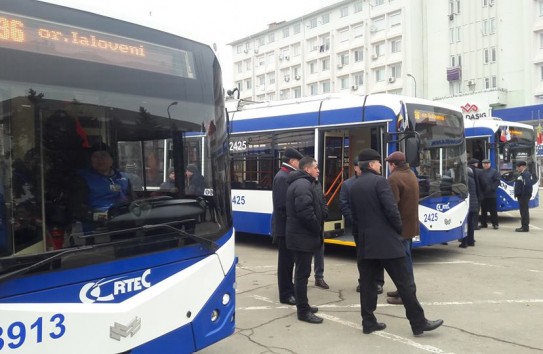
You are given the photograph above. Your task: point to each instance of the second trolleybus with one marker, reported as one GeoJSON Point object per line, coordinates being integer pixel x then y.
{"type": "Point", "coordinates": [504, 143]}
{"type": "Point", "coordinates": [334, 129]}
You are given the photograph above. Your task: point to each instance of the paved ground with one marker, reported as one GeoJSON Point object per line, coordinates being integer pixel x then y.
{"type": "Point", "coordinates": [490, 297]}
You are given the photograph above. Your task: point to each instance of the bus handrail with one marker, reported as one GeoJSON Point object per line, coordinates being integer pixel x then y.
{"type": "Point", "coordinates": [340, 174]}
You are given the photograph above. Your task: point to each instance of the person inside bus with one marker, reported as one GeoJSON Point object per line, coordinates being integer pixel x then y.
{"type": "Point", "coordinates": [490, 180]}
{"type": "Point", "coordinates": [96, 189]}
{"type": "Point", "coordinates": [169, 184]}
{"type": "Point", "coordinates": [195, 181]}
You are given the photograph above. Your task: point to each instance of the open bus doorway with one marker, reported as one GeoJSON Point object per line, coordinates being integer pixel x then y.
{"type": "Point", "coordinates": [339, 149]}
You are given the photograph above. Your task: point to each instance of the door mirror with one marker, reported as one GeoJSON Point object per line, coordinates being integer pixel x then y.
{"type": "Point", "coordinates": [412, 150]}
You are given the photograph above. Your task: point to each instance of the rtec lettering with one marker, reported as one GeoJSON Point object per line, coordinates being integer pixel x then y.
{"type": "Point", "coordinates": [133, 284]}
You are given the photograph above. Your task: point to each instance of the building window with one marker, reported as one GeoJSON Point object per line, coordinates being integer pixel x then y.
{"type": "Point", "coordinates": [456, 60]}
{"type": "Point", "coordinates": [540, 39]}
{"type": "Point", "coordinates": [248, 84]}
{"type": "Point", "coordinates": [358, 6]}
{"type": "Point", "coordinates": [396, 70]}
{"type": "Point", "coordinates": [313, 89]}
{"type": "Point", "coordinates": [379, 2]}
{"type": "Point", "coordinates": [325, 86]}
{"type": "Point", "coordinates": [248, 65]}
{"type": "Point", "coordinates": [325, 64]}
{"type": "Point", "coordinates": [283, 94]}
{"type": "Point", "coordinates": [358, 30]}
{"type": "Point", "coordinates": [296, 28]}
{"type": "Point", "coordinates": [297, 72]}
{"type": "Point", "coordinates": [313, 23]}
{"type": "Point", "coordinates": [261, 80]}
{"type": "Point", "coordinates": [379, 49]}
{"type": "Point", "coordinates": [379, 74]}
{"type": "Point", "coordinates": [271, 96]}
{"type": "Point", "coordinates": [344, 82]}
{"type": "Point", "coordinates": [239, 66]}
{"type": "Point", "coordinates": [271, 37]}
{"type": "Point", "coordinates": [358, 78]}
{"type": "Point", "coordinates": [286, 32]}
{"type": "Point", "coordinates": [396, 45]}
{"type": "Point", "coordinates": [358, 55]}
{"type": "Point", "coordinates": [378, 24]}
{"type": "Point", "coordinates": [540, 7]}
{"type": "Point", "coordinates": [312, 67]}
{"type": "Point", "coordinates": [454, 34]}
{"type": "Point", "coordinates": [296, 49]}
{"type": "Point", "coordinates": [344, 11]}
{"type": "Point", "coordinates": [395, 18]}
{"type": "Point", "coordinates": [271, 78]}
{"type": "Point", "coordinates": [325, 18]}
{"type": "Point", "coordinates": [312, 44]}
{"type": "Point", "coordinates": [343, 35]}
{"type": "Point", "coordinates": [493, 54]}
{"type": "Point", "coordinates": [261, 41]}
{"type": "Point", "coordinates": [261, 60]}
{"type": "Point", "coordinates": [325, 43]}
{"type": "Point", "coordinates": [485, 56]}
{"type": "Point", "coordinates": [343, 59]}
{"type": "Point", "coordinates": [541, 72]}
{"type": "Point", "coordinates": [297, 92]}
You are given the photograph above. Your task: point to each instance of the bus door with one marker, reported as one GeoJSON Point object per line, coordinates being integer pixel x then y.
{"type": "Point", "coordinates": [332, 172]}
{"type": "Point", "coordinates": [477, 148]}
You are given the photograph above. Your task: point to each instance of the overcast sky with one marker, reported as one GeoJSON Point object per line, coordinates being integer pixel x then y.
{"type": "Point", "coordinates": [208, 21]}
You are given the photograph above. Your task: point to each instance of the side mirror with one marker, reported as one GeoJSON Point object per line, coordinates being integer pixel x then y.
{"type": "Point", "coordinates": [412, 150]}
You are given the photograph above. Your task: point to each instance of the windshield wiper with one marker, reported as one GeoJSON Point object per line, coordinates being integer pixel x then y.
{"type": "Point", "coordinates": [45, 261]}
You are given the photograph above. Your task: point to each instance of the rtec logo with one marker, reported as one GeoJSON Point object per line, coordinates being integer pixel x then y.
{"type": "Point", "coordinates": [442, 207]}
{"type": "Point", "coordinates": [106, 290]}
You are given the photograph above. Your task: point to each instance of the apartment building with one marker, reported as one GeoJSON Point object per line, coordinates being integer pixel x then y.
{"type": "Point", "coordinates": [488, 52]}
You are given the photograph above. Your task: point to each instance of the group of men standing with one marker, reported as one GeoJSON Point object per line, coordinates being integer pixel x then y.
{"type": "Point", "coordinates": [384, 219]}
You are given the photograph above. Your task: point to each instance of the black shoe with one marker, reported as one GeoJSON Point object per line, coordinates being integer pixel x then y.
{"type": "Point", "coordinates": [521, 229]}
{"type": "Point", "coordinates": [309, 317]}
{"type": "Point", "coordinates": [373, 328]}
{"type": "Point", "coordinates": [321, 284]}
{"type": "Point", "coordinates": [428, 326]}
{"type": "Point", "coordinates": [291, 300]}
{"type": "Point", "coordinates": [483, 226]}
{"type": "Point", "coordinates": [358, 288]}
{"type": "Point", "coordinates": [379, 289]}
{"type": "Point", "coordinates": [463, 245]}
{"type": "Point", "coordinates": [313, 309]}
{"type": "Point", "coordinates": [471, 244]}
{"type": "Point", "coordinates": [495, 227]}
{"type": "Point", "coordinates": [477, 228]}
{"type": "Point", "coordinates": [394, 293]}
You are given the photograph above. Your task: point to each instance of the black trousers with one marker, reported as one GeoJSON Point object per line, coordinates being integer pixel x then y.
{"type": "Point", "coordinates": [524, 211]}
{"type": "Point", "coordinates": [489, 206]}
{"type": "Point", "coordinates": [285, 267]}
{"type": "Point", "coordinates": [398, 271]}
{"type": "Point", "coordinates": [301, 275]}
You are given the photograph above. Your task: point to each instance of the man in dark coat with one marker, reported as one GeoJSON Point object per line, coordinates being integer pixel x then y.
{"type": "Point", "coordinates": [304, 230]}
{"type": "Point", "coordinates": [473, 210]}
{"type": "Point", "coordinates": [474, 164]}
{"type": "Point", "coordinates": [405, 188]}
{"type": "Point", "coordinates": [490, 180]}
{"type": "Point", "coordinates": [345, 207]}
{"type": "Point", "coordinates": [523, 193]}
{"type": "Point", "coordinates": [285, 259]}
{"type": "Point", "coordinates": [379, 229]}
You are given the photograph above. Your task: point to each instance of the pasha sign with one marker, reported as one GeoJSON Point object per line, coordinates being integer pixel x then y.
{"type": "Point", "coordinates": [472, 111]}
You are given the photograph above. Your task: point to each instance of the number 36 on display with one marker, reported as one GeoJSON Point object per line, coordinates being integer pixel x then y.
{"type": "Point", "coordinates": [14, 335]}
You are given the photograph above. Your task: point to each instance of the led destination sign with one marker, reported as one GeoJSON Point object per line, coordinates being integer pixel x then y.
{"type": "Point", "coordinates": [44, 37]}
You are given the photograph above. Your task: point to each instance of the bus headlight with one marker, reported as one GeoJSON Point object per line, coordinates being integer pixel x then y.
{"type": "Point", "coordinates": [226, 299]}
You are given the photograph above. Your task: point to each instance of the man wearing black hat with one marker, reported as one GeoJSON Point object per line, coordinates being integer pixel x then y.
{"type": "Point", "coordinates": [490, 180]}
{"type": "Point", "coordinates": [346, 211]}
{"type": "Point", "coordinates": [285, 259]}
{"type": "Point", "coordinates": [523, 193]}
{"type": "Point", "coordinates": [379, 230]}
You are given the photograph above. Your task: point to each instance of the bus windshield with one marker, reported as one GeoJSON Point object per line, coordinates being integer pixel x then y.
{"type": "Point", "coordinates": [95, 147]}
{"type": "Point", "coordinates": [515, 144]}
{"type": "Point", "coordinates": [441, 171]}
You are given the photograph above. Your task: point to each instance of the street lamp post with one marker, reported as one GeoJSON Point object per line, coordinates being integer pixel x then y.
{"type": "Point", "coordinates": [173, 104]}
{"type": "Point", "coordinates": [415, 82]}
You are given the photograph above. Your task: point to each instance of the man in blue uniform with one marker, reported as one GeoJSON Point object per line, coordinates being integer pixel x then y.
{"type": "Point", "coordinates": [523, 193]}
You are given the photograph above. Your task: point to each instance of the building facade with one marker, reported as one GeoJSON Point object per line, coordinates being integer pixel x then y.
{"type": "Point", "coordinates": [488, 53]}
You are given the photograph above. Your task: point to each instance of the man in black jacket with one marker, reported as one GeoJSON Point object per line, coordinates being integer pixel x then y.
{"type": "Point", "coordinates": [304, 231]}
{"type": "Point", "coordinates": [379, 230]}
{"type": "Point", "coordinates": [285, 259]}
{"type": "Point", "coordinates": [523, 193]}
{"type": "Point", "coordinates": [490, 180]}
